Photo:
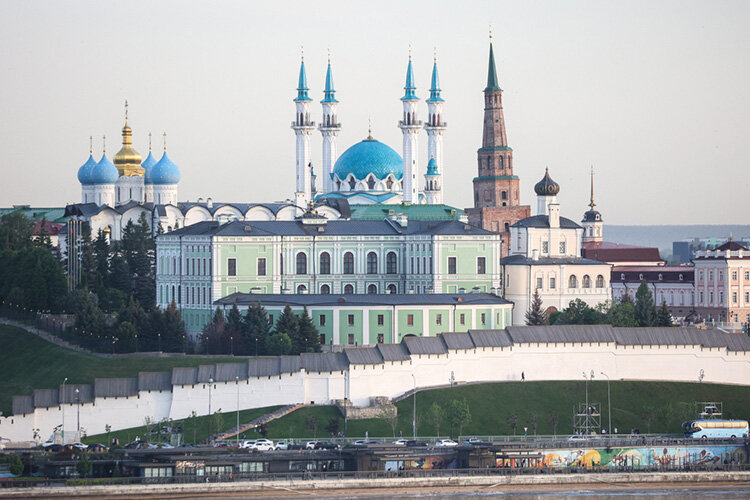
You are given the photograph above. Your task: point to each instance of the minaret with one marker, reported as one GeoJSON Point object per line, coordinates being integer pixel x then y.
{"type": "Point", "coordinates": [593, 225]}
{"type": "Point", "coordinates": [435, 128]}
{"type": "Point", "coordinates": [433, 190]}
{"type": "Point", "coordinates": [410, 127]}
{"type": "Point", "coordinates": [330, 128]}
{"type": "Point", "coordinates": [303, 127]}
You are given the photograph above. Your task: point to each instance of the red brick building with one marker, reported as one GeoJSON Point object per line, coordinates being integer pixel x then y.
{"type": "Point", "coordinates": [496, 189]}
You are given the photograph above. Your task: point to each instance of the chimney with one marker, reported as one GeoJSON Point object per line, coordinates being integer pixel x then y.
{"type": "Point", "coordinates": [535, 254]}
{"type": "Point", "coordinates": [209, 203]}
{"type": "Point", "coordinates": [554, 215]}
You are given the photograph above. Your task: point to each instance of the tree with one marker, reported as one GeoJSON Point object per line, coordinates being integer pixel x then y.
{"type": "Point", "coordinates": [255, 329]}
{"type": "Point", "coordinates": [235, 325]}
{"type": "Point", "coordinates": [333, 426]}
{"type": "Point", "coordinates": [389, 413]}
{"type": "Point", "coordinates": [663, 316]}
{"type": "Point", "coordinates": [436, 413]}
{"type": "Point", "coordinates": [217, 420]}
{"type": "Point", "coordinates": [535, 315]}
{"type": "Point", "coordinates": [192, 422]}
{"type": "Point", "coordinates": [579, 313]}
{"type": "Point", "coordinates": [622, 313]}
{"type": "Point", "coordinates": [553, 420]}
{"type": "Point", "coordinates": [16, 465]}
{"type": "Point", "coordinates": [649, 415]}
{"type": "Point", "coordinates": [84, 465]}
{"type": "Point", "coordinates": [43, 239]}
{"type": "Point", "coordinates": [645, 311]}
{"type": "Point", "coordinates": [278, 344]}
{"type": "Point", "coordinates": [311, 422]}
{"type": "Point", "coordinates": [513, 423]}
{"type": "Point", "coordinates": [307, 335]}
{"type": "Point", "coordinates": [16, 231]}
{"type": "Point", "coordinates": [101, 259]}
{"type": "Point", "coordinates": [287, 323]}
{"type": "Point", "coordinates": [458, 414]}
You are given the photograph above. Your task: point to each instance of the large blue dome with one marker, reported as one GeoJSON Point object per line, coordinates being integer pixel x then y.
{"type": "Point", "coordinates": [164, 172]}
{"type": "Point", "coordinates": [369, 157]}
{"type": "Point", "coordinates": [104, 172]}
{"type": "Point", "coordinates": [84, 173]}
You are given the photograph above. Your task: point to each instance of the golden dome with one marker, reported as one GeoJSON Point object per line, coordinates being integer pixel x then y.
{"type": "Point", "coordinates": [127, 160]}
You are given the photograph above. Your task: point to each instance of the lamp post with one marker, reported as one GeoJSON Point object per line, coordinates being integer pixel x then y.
{"type": "Point", "coordinates": [159, 336]}
{"type": "Point", "coordinates": [63, 410]}
{"type": "Point", "coordinates": [210, 383]}
{"type": "Point", "coordinates": [237, 382]}
{"type": "Point", "coordinates": [78, 413]}
{"type": "Point", "coordinates": [609, 406]}
{"type": "Point", "coordinates": [414, 413]}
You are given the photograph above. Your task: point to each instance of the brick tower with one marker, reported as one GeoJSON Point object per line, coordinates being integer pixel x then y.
{"type": "Point", "coordinates": [496, 192]}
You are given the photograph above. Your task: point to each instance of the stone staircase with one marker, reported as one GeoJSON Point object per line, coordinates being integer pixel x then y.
{"type": "Point", "coordinates": [263, 419]}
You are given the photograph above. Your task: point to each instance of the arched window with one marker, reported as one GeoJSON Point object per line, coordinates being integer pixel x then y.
{"type": "Point", "coordinates": [371, 182]}
{"type": "Point", "coordinates": [504, 195]}
{"type": "Point", "coordinates": [600, 281]}
{"type": "Point", "coordinates": [392, 288]}
{"type": "Point", "coordinates": [572, 282]}
{"type": "Point", "coordinates": [391, 263]}
{"type": "Point", "coordinates": [348, 290]}
{"type": "Point", "coordinates": [372, 263]}
{"type": "Point", "coordinates": [301, 263]}
{"type": "Point", "coordinates": [325, 263]}
{"type": "Point", "coordinates": [301, 289]}
{"type": "Point", "coordinates": [348, 263]}
{"type": "Point", "coordinates": [325, 290]}
{"type": "Point", "coordinates": [372, 289]}
{"type": "Point", "coordinates": [389, 183]}
{"type": "Point", "coordinates": [500, 163]}
{"type": "Point", "coordinates": [586, 281]}
{"type": "Point", "coordinates": [352, 183]}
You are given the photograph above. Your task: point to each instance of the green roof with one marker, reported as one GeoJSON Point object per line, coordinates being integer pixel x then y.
{"type": "Point", "coordinates": [496, 148]}
{"type": "Point", "coordinates": [412, 212]}
{"type": "Point", "coordinates": [495, 177]}
{"type": "Point", "coordinates": [492, 83]}
{"type": "Point", "coordinates": [52, 214]}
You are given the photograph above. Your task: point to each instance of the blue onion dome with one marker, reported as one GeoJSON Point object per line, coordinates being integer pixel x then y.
{"type": "Point", "coordinates": [432, 167]}
{"type": "Point", "coordinates": [547, 187]}
{"type": "Point", "coordinates": [104, 172]}
{"type": "Point", "coordinates": [164, 172]}
{"type": "Point", "coordinates": [84, 173]}
{"type": "Point", "coordinates": [148, 164]}
{"type": "Point", "coordinates": [369, 157]}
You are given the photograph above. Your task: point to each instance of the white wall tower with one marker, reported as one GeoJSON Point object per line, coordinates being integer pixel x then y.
{"type": "Point", "coordinates": [303, 127]}
{"type": "Point", "coordinates": [329, 127]}
{"type": "Point", "coordinates": [410, 127]}
{"type": "Point", "coordinates": [435, 128]}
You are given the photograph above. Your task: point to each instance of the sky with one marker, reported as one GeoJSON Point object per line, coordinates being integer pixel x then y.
{"type": "Point", "coordinates": [652, 94]}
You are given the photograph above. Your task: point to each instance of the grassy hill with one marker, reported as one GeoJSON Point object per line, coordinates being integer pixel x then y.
{"type": "Point", "coordinates": [29, 362]}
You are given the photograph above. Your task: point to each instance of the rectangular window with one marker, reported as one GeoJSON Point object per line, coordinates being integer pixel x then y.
{"type": "Point", "coordinates": [350, 319]}
{"type": "Point", "coordinates": [481, 265]}
{"type": "Point", "coordinates": [710, 276]}
{"type": "Point", "coordinates": [747, 297]}
{"type": "Point", "coordinates": [381, 320]}
{"type": "Point", "coordinates": [734, 297]}
{"type": "Point", "coordinates": [552, 283]}
{"type": "Point", "coordinates": [747, 275]}
{"type": "Point", "coordinates": [451, 265]}
{"type": "Point", "coordinates": [462, 319]}
{"type": "Point", "coordinates": [734, 275]}
{"type": "Point", "coordinates": [562, 248]}
{"type": "Point", "coordinates": [700, 275]}
{"type": "Point", "coordinates": [545, 247]}
{"type": "Point", "coordinates": [484, 319]}
{"type": "Point", "coordinates": [232, 267]}
{"type": "Point", "coordinates": [700, 298]}
{"type": "Point", "coordinates": [439, 319]}
{"type": "Point", "coordinates": [410, 319]}
{"type": "Point", "coordinates": [322, 320]}
{"type": "Point", "coordinates": [381, 339]}
{"type": "Point", "coordinates": [711, 297]}
{"type": "Point", "coordinates": [721, 297]}
{"type": "Point", "coordinates": [721, 276]}
{"type": "Point", "coordinates": [262, 266]}
{"type": "Point", "coordinates": [322, 339]}
{"type": "Point", "coordinates": [350, 339]}
{"type": "Point", "coordinates": [539, 283]}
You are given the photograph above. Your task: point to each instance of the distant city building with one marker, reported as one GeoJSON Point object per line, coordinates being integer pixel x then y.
{"type": "Point", "coordinates": [199, 264]}
{"type": "Point", "coordinates": [384, 318]}
{"type": "Point", "coordinates": [722, 283]}
{"type": "Point", "coordinates": [497, 200]}
{"type": "Point", "coordinates": [672, 285]}
{"type": "Point", "coordinates": [684, 251]}
{"type": "Point", "coordinates": [545, 256]}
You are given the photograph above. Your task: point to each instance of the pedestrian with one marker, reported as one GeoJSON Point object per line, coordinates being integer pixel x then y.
{"type": "Point", "coordinates": [525, 431]}
{"type": "Point", "coordinates": [604, 431]}
{"type": "Point", "coordinates": [523, 376]}
{"type": "Point", "coordinates": [400, 433]}
{"type": "Point", "coordinates": [367, 435]}
{"type": "Point", "coordinates": [615, 430]}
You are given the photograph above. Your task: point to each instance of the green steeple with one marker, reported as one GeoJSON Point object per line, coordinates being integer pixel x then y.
{"type": "Point", "coordinates": [492, 73]}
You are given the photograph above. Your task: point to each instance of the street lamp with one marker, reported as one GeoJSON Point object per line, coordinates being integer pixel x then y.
{"type": "Point", "coordinates": [78, 414]}
{"type": "Point", "coordinates": [63, 410]}
{"type": "Point", "coordinates": [414, 413]}
{"type": "Point", "coordinates": [609, 407]}
{"type": "Point", "coordinates": [159, 335]}
{"type": "Point", "coordinates": [210, 383]}
{"type": "Point", "coordinates": [237, 382]}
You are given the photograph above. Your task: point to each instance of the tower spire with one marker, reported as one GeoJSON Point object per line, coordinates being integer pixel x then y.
{"type": "Point", "coordinates": [492, 83]}
{"type": "Point", "coordinates": [591, 203]}
{"type": "Point", "coordinates": [302, 87]}
{"type": "Point", "coordinates": [434, 81]}
{"type": "Point", "coordinates": [410, 86]}
{"type": "Point", "coordinates": [329, 91]}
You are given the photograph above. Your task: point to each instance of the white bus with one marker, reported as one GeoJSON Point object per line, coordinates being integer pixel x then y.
{"type": "Point", "coordinates": [715, 428]}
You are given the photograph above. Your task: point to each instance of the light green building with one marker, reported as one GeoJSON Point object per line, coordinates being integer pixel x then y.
{"type": "Point", "coordinates": [206, 261]}
{"type": "Point", "coordinates": [384, 318]}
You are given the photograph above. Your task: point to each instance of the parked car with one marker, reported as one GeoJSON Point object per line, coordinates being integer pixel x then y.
{"type": "Point", "coordinates": [413, 442]}
{"type": "Point", "coordinates": [139, 445]}
{"type": "Point", "coordinates": [222, 444]}
{"type": "Point", "coordinates": [97, 448]}
{"type": "Point", "coordinates": [310, 445]}
{"type": "Point", "coordinates": [446, 443]}
{"type": "Point", "coordinates": [326, 445]}
{"type": "Point", "coordinates": [166, 446]}
{"type": "Point", "coordinates": [76, 446]}
{"type": "Point", "coordinates": [476, 442]}
{"type": "Point", "coordinates": [282, 445]}
{"type": "Point", "coordinates": [400, 442]}
{"type": "Point", "coordinates": [262, 445]}
{"type": "Point", "coordinates": [363, 442]}
{"type": "Point", "coordinates": [247, 443]}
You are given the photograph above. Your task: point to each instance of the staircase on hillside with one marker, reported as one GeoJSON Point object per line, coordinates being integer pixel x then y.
{"type": "Point", "coordinates": [263, 419]}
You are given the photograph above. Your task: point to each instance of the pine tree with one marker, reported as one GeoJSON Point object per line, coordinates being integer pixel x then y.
{"type": "Point", "coordinates": [535, 315]}
{"type": "Point", "coordinates": [287, 323]}
{"type": "Point", "coordinates": [663, 316]}
{"type": "Point", "coordinates": [235, 327]}
{"type": "Point", "coordinates": [101, 256]}
{"type": "Point", "coordinates": [16, 232]}
{"type": "Point", "coordinates": [309, 338]}
{"type": "Point", "coordinates": [622, 313]}
{"type": "Point", "coordinates": [88, 259]}
{"type": "Point", "coordinates": [43, 239]}
{"type": "Point", "coordinates": [645, 312]}
{"type": "Point", "coordinates": [256, 328]}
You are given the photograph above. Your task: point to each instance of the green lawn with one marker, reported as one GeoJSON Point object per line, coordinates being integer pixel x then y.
{"type": "Point", "coordinates": [29, 362]}
{"type": "Point", "coordinates": [492, 405]}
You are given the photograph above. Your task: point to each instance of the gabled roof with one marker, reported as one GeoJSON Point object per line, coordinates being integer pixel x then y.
{"type": "Point", "coordinates": [543, 222]}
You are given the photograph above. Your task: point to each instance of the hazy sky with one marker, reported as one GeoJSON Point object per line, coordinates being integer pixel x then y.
{"type": "Point", "coordinates": [654, 94]}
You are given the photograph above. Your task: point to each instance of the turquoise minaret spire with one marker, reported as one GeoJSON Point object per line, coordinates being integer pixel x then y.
{"type": "Point", "coordinates": [329, 128]}
{"type": "Point", "coordinates": [435, 84]}
{"type": "Point", "coordinates": [410, 86]}
{"type": "Point", "coordinates": [302, 87]}
{"type": "Point", "coordinates": [328, 93]}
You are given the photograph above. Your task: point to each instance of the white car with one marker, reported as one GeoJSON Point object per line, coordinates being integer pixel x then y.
{"type": "Point", "coordinates": [400, 442]}
{"type": "Point", "coordinates": [446, 443]}
{"type": "Point", "coordinates": [282, 445]}
{"type": "Point", "coordinates": [310, 445]}
{"type": "Point", "coordinates": [247, 443]}
{"type": "Point", "coordinates": [262, 445]}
